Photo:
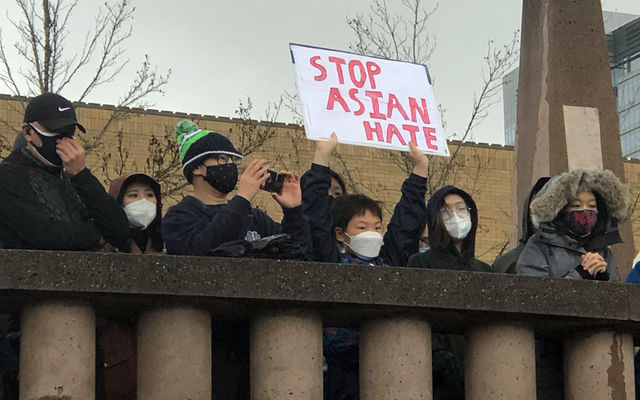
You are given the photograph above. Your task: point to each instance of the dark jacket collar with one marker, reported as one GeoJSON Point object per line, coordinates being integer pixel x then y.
{"type": "Point", "coordinates": [24, 157]}
{"type": "Point", "coordinates": [550, 234]}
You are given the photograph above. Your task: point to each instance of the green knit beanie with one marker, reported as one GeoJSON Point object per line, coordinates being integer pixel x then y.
{"type": "Point", "coordinates": [196, 145]}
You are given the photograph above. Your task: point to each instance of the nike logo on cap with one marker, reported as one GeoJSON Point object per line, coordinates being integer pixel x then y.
{"type": "Point", "coordinates": [64, 109]}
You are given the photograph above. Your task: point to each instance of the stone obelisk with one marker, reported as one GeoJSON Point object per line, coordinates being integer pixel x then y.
{"type": "Point", "coordinates": [566, 106]}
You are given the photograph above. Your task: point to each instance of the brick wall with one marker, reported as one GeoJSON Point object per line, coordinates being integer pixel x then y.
{"type": "Point", "coordinates": [485, 171]}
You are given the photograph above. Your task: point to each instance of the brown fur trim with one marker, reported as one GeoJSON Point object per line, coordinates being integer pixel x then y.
{"type": "Point", "coordinates": [615, 194]}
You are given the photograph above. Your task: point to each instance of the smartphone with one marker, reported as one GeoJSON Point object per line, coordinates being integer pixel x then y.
{"type": "Point", "coordinates": [274, 182]}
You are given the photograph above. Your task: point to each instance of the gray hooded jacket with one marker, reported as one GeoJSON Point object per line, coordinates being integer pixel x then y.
{"type": "Point", "coordinates": [552, 251]}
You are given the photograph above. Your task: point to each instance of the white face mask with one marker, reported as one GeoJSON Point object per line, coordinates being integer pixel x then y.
{"type": "Point", "coordinates": [140, 213]}
{"type": "Point", "coordinates": [365, 245]}
{"type": "Point", "coordinates": [458, 227]}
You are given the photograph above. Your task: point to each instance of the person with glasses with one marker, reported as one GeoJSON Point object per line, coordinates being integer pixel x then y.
{"type": "Point", "coordinates": [209, 218]}
{"type": "Point", "coordinates": [452, 221]}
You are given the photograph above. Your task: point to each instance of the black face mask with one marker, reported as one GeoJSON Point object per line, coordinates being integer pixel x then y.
{"type": "Point", "coordinates": [222, 178]}
{"type": "Point", "coordinates": [48, 148]}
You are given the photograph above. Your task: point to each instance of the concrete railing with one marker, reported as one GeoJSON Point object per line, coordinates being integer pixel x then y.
{"type": "Point", "coordinates": [174, 299]}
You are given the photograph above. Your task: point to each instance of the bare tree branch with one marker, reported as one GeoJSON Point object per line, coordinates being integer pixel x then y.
{"type": "Point", "coordinates": [42, 31]}
{"type": "Point", "coordinates": [253, 134]}
{"type": "Point", "coordinates": [396, 36]}
{"type": "Point", "coordinates": [6, 74]}
{"type": "Point", "coordinates": [46, 65]}
{"type": "Point", "coordinates": [293, 104]}
{"type": "Point", "coordinates": [147, 82]}
{"type": "Point", "coordinates": [115, 33]}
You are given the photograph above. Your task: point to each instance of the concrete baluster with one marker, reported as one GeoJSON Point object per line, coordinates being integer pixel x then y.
{"type": "Point", "coordinates": [174, 354]}
{"type": "Point", "coordinates": [599, 365]}
{"type": "Point", "coordinates": [500, 363]}
{"type": "Point", "coordinates": [395, 359]}
{"type": "Point", "coordinates": [286, 355]}
{"type": "Point", "coordinates": [57, 351]}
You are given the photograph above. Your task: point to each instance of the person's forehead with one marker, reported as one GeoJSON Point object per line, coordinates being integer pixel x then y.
{"type": "Point", "coordinates": [587, 195]}
{"type": "Point", "coordinates": [584, 196]}
{"type": "Point", "coordinates": [367, 217]}
{"type": "Point", "coordinates": [138, 186]}
{"type": "Point", "coordinates": [453, 199]}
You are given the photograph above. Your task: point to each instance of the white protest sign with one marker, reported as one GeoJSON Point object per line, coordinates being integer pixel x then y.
{"type": "Point", "coordinates": [367, 101]}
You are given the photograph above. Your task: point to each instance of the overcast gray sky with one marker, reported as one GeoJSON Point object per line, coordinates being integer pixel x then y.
{"type": "Point", "coordinates": [222, 51]}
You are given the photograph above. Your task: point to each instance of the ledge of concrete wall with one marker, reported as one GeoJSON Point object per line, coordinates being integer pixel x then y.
{"type": "Point", "coordinates": [123, 284]}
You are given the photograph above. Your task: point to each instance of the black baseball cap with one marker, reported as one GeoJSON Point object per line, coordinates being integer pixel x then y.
{"type": "Point", "coordinates": [52, 111]}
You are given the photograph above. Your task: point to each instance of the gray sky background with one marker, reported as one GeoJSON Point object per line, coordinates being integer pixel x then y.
{"type": "Point", "coordinates": [223, 51]}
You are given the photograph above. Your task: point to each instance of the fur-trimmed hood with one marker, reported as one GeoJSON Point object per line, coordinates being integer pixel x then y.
{"type": "Point", "coordinates": [555, 195]}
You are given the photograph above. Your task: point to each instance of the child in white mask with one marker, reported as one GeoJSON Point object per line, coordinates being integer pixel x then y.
{"type": "Point", "coordinates": [358, 220]}
{"type": "Point", "coordinates": [140, 197]}
{"type": "Point", "coordinates": [349, 230]}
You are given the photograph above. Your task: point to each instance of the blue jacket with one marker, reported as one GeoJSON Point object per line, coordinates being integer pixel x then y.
{"type": "Point", "coordinates": [634, 275]}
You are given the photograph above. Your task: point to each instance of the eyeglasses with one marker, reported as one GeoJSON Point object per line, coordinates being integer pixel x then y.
{"type": "Point", "coordinates": [222, 158]}
{"type": "Point", "coordinates": [424, 240]}
{"type": "Point", "coordinates": [461, 211]}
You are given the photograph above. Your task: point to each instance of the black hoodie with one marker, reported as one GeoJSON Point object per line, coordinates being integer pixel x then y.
{"type": "Point", "coordinates": [448, 350]}
{"type": "Point", "coordinates": [448, 257]}
{"type": "Point", "coordinates": [506, 263]}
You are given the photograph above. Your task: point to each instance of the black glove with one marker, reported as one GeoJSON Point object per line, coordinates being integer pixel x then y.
{"type": "Point", "coordinates": [583, 272]}
{"type": "Point", "coordinates": [600, 276]}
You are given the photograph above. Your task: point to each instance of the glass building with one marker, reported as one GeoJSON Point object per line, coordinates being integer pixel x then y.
{"type": "Point", "coordinates": [510, 105]}
{"type": "Point", "coordinates": [624, 57]}
{"type": "Point", "coordinates": [623, 37]}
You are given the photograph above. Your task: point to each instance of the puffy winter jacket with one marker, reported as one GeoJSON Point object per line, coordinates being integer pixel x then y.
{"type": "Point", "coordinates": [553, 250]}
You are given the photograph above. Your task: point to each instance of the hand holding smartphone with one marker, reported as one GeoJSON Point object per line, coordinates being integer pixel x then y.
{"type": "Point", "coordinates": [274, 182]}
